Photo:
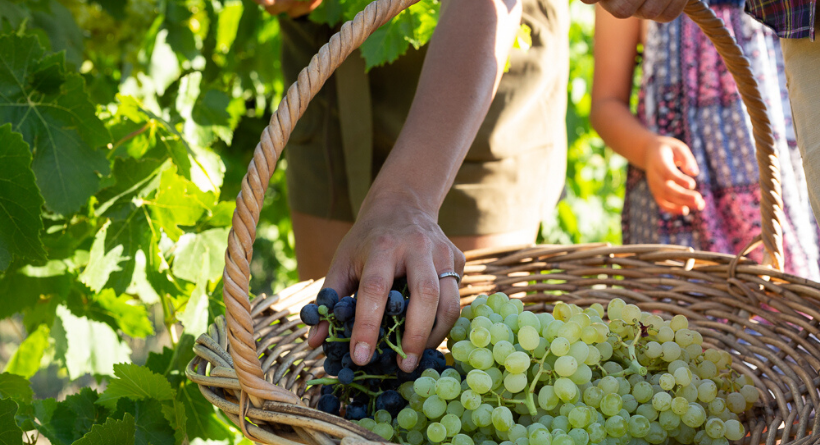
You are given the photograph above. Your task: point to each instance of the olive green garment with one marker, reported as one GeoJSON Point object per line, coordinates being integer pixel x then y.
{"type": "Point", "coordinates": [514, 171]}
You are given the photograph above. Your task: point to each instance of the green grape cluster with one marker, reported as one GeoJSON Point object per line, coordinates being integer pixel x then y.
{"type": "Point", "coordinates": [610, 376]}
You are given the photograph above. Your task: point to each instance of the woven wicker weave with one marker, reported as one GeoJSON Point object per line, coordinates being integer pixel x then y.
{"type": "Point", "coordinates": [254, 364]}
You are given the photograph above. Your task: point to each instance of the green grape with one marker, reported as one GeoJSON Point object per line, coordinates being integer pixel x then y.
{"type": "Point", "coordinates": [448, 388]}
{"type": "Point", "coordinates": [458, 333]}
{"type": "Point", "coordinates": [611, 404]}
{"type": "Point", "coordinates": [547, 399]}
{"type": "Point", "coordinates": [593, 396]}
{"type": "Point", "coordinates": [668, 420]}
{"type": "Point", "coordinates": [609, 385]}
{"type": "Point", "coordinates": [684, 337]}
{"type": "Point", "coordinates": [733, 430]}
{"type": "Point", "coordinates": [638, 426]}
{"type": "Point", "coordinates": [579, 350]}
{"type": "Point", "coordinates": [497, 300]}
{"type": "Point", "coordinates": [579, 436]}
{"type": "Point", "coordinates": [451, 423]}
{"type": "Point", "coordinates": [680, 405]}
{"type": "Point", "coordinates": [467, 424]}
{"type": "Point", "coordinates": [612, 368]}
{"type": "Point", "coordinates": [461, 350]}
{"type": "Point", "coordinates": [571, 331]}
{"type": "Point", "coordinates": [528, 336]}
{"type": "Point", "coordinates": [580, 416]}
{"type": "Point", "coordinates": [527, 318]}
{"type": "Point", "coordinates": [597, 432]}
{"type": "Point", "coordinates": [683, 376]}
{"type": "Point", "coordinates": [629, 403]}
{"type": "Point", "coordinates": [519, 305]}
{"type": "Point", "coordinates": [434, 407]}
{"type": "Point", "coordinates": [623, 386]}
{"type": "Point", "coordinates": [541, 349]}
{"type": "Point", "coordinates": [614, 308]}
{"type": "Point", "coordinates": [368, 423]}
{"type": "Point", "coordinates": [560, 346]}
{"type": "Point", "coordinates": [550, 331]}
{"type": "Point", "coordinates": [736, 402]}
{"type": "Point", "coordinates": [496, 318]}
{"type": "Point", "coordinates": [470, 399]}
{"type": "Point", "coordinates": [481, 358]}
{"type": "Point", "coordinates": [707, 391]}
{"type": "Point", "coordinates": [581, 320]}
{"type": "Point", "coordinates": [715, 428]}
{"type": "Point", "coordinates": [483, 311]}
{"type": "Point", "coordinates": [695, 416]}
{"type": "Point", "coordinates": [631, 314]}
{"type": "Point", "coordinates": [382, 416]}
{"type": "Point", "coordinates": [322, 309]}
{"type": "Point", "coordinates": [384, 430]}
{"type": "Point", "coordinates": [565, 389]}
{"type": "Point", "coordinates": [671, 351]}
{"type": "Point", "coordinates": [452, 373]}
{"type": "Point", "coordinates": [517, 362]}
{"type": "Point", "coordinates": [424, 386]}
{"type": "Point", "coordinates": [496, 376]}
{"type": "Point", "coordinates": [478, 301]}
{"type": "Point", "coordinates": [502, 418]}
{"type": "Point", "coordinates": [615, 426]}
{"type": "Point", "coordinates": [561, 423]}
{"type": "Point", "coordinates": [479, 381]}
{"type": "Point", "coordinates": [689, 392]}
{"type": "Point", "coordinates": [407, 418]}
{"type": "Point", "coordinates": [717, 406]}
{"type": "Point", "coordinates": [540, 437]}
{"type": "Point", "coordinates": [499, 332]}
{"type": "Point", "coordinates": [665, 334]}
{"type": "Point", "coordinates": [481, 322]}
{"type": "Point", "coordinates": [605, 348]}
{"type": "Point", "coordinates": [706, 370]}
{"type": "Point", "coordinates": [515, 383]}
{"type": "Point", "coordinates": [642, 392]}
{"type": "Point", "coordinates": [415, 401]}
{"type": "Point", "coordinates": [406, 390]}
{"type": "Point", "coordinates": [563, 439]}
{"type": "Point", "coordinates": [502, 350]}
{"type": "Point", "coordinates": [479, 336]}
{"type": "Point", "coordinates": [508, 309]}
{"type": "Point", "coordinates": [455, 407]}
{"type": "Point", "coordinates": [589, 335]}
{"type": "Point", "coordinates": [667, 382]}
{"type": "Point", "coordinates": [483, 415]}
{"type": "Point", "coordinates": [679, 322]}
{"type": "Point", "coordinates": [415, 437]}
{"type": "Point", "coordinates": [694, 350]}
{"type": "Point", "coordinates": [661, 401]}
{"type": "Point", "coordinates": [566, 366]}
{"type": "Point", "coordinates": [566, 408]}
{"type": "Point", "coordinates": [648, 411]}
{"type": "Point", "coordinates": [562, 311]}
{"type": "Point", "coordinates": [462, 439]}
{"type": "Point", "coordinates": [653, 350]}
{"type": "Point", "coordinates": [582, 375]}
{"type": "Point", "coordinates": [436, 432]}
{"type": "Point", "coordinates": [657, 435]}
{"type": "Point", "coordinates": [594, 356]}
{"type": "Point", "coordinates": [750, 393]}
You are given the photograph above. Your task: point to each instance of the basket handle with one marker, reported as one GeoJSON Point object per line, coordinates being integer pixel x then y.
{"type": "Point", "coordinates": [352, 34]}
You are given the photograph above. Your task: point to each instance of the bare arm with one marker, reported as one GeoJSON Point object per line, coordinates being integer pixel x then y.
{"type": "Point", "coordinates": [396, 232]}
{"type": "Point", "coordinates": [668, 162]}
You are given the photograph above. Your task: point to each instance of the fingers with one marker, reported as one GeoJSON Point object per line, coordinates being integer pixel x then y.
{"type": "Point", "coordinates": [317, 334]}
{"type": "Point", "coordinates": [651, 10]}
{"type": "Point", "coordinates": [423, 281]}
{"type": "Point", "coordinates": [672, 11]}
{"type": "Point", "coordinates": [448, 311]}
{"type": "Point", "coordinates": [377, 278]}
{"type": "Point", "coordinates": [684, 159]}
{"type": "Point", "coordinates": [623, 8]}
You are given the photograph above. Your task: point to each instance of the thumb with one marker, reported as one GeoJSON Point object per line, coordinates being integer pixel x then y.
{"type": "Point", "coordinates": [339, 281]}
{"type": "Point", "coordinates": [685, 159]}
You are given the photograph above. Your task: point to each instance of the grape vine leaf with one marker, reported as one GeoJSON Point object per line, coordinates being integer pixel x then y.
{"type": "Point", "coordinates": [26, 360]}
{"type": "Point", "coordinates": [101, 263]}
{"type": "Point", "coordinates": [202, 420]}
{"type": "Point", "coordinates": [116, 8]}
{"type": "Point", "coordinates": [73, 417]}
{"type": "Point", "coordinates": [10, 433]}
{"type": "Point", "coordinates": [87, 346]}
{"type": "Point", "coordinates": [112, 432]}
{"type": "Point", "coordinates": [413, 26]}
{"type": "Point", "coordinates": [120, 312]}
{"type": "Point", "coordinates": [329, 12]}
{"type": "Point", "coordinates": [56, 119]}
{"type": "Point", "coordinates": [172, 362]}
{"type": "Point", "coordinates": [152, 427]}
{"type": "Point", "coordinates": [195, 316]}
{"type": "Point", "coordinates": [28, 290]}
{"type": "Point", "coordinates": [175, 414]}
{"type": "Point", "coordinates": [13, 386]}
{"type": "Point", "coordinates": [190, 249]}
{"type": "Point", "coordinates": [137, 383]}
{"type": "Point", "coordinates": [20, 201]}
{"type": "Point", "coordinates": [178, 202]}
{"type": "Point", "coordinates": [63, 33]}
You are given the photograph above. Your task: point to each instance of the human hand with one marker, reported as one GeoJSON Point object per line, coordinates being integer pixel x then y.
{"type": "Point", "coordinates": [657, 10]}
{"type": "Point", "coordinates": [670, 167]}
{"type": "Point", "coordinates": [293, 8]}
{"type": "Point", "coordinates": [390, 239]}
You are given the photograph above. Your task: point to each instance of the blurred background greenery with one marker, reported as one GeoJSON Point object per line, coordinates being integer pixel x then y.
{"type": "Point", "coordinates": [203, 73]}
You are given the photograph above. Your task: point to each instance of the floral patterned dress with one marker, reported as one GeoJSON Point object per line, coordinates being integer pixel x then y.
{"type": "Point", "coordinates": [687, 93]}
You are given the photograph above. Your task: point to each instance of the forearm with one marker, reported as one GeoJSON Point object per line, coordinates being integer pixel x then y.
{"type": "Point", "coordinates": [621, 130]}
{"type": "Point", "coordinates": [461, 72]}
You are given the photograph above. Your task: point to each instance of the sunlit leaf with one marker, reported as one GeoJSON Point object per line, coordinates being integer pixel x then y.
{"type": "Point", "coordinates": [89, 347]}
{"type": "Point", "coordinates": [112, 432]}
{"type": "Point", "coordinates": [26, 360]}
{"type": "Point", "coordinates": [137, 383]}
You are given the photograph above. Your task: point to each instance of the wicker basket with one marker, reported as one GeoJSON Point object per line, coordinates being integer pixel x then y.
{"type": "Point", "coordinates": [254, 364]}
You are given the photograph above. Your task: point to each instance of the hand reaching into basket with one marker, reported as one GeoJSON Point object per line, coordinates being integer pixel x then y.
{"type": "Point", "coordinates": [392, 239]}
{"type": "Point", "coordinates": [293, 8]}
{"type": "Point", "coordinates": [657, 10]}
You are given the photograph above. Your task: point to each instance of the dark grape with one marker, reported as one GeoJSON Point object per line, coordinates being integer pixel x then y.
{"type": "Point", "coordinates": [409, 377]}
{"type": "Point", "coordinates": [327, 297]}
{"type": "Point", "coordinates": [347, 361]}
{"type": "Point", "coordinates": [337, 349]}
{"type": "Point", "coordinates": [399, 284]}
{"type": "Point", "coordinates": [387, 362]}
{"type": "Point", "coordinates": [332, 367]}
{"type": "Point", "coordinates": [328, 389]}
{"type": "Point", "coordinates": [395, 303]}
{"type": "Point", "coordinates": [356, 411]}
{"type": "Point", "coordinates": [349, 327]}
{"type": "Point", "coordinates": [391, 401]}
{"type": "Point", "coordinates": [330, 404]}
{"type": "Point", "coordinates": [345, 309]}
{"type": "Point", "coordinates": [310, 314]}
{"type": "Point", "coordinates": [425, 364]}
{"type": "Point", "coordinates": [346, 376]}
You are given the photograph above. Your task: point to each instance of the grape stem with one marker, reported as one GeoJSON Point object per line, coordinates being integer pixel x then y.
{"type": "Point", "coordinates": [333, 381]}
{"type": "Point", "coordinates": [530, 400]}
{"type": "Point", "coordinates": [634, 366]}
{"type": "Point", "coordinates": [396, 348]}
{"type": "Point", "coordinates": [338, 340]}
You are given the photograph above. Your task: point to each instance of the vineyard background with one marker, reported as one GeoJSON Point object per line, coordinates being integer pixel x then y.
{"type": "Point", "coordinates": [142, 117]}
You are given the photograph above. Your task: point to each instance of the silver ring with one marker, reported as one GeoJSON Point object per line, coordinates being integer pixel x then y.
{"type": "Point", "coordinates": [450, 274]}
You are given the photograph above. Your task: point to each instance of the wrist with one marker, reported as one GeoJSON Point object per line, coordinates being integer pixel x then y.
{"type": "Point", "coordinates": [400, 195]}
{"type": "Point", "coordinates": [650, 149]}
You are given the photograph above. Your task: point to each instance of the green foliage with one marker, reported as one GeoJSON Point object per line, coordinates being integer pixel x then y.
{"type": "Point", "coordinates": [127, 128]}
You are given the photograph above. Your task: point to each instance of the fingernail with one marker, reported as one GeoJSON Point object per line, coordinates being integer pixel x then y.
{"type": "Point", "coordinates": [361, 354]}
{"type": "Point", "coordinates": [685, 210]}
{"type": "Point", "coordinates": [409, 364]}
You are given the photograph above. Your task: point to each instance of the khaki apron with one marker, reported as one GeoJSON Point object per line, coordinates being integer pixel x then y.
{"type": "Point", "coordinates": [514, 171]}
